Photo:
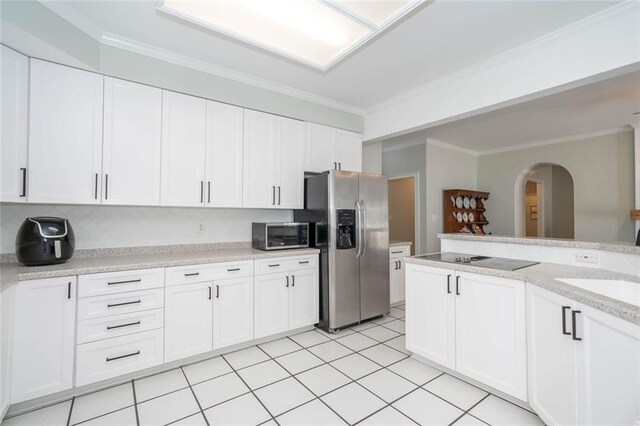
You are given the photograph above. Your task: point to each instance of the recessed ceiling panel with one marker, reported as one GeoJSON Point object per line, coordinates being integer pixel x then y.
{"type": "Point", "coordinates": [315, 32]}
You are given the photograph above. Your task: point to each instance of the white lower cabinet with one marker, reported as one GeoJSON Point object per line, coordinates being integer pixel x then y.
{"type": "Point", "coordinates": [271, 314]}
{"type": "Point", "coordinates": [188, 320]}
{"type": "Point", "coordinates": [304, 304]}
{"type": "Point", "coordinates": [43, 337]}
{"type": "Point", "coordinates": [473, 324]}
{"type": "Point", "coordinates": [584, 364]}
{"type": "Point", "coordinates": [396, 273]}
{"type": "Point", "coordinates": [233, 312]}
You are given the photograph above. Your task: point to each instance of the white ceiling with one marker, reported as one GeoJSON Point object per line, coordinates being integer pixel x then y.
{"type": "Point", "coordinates": [592, 108]}
{"type": "Point", "coordinates": [435, 40]}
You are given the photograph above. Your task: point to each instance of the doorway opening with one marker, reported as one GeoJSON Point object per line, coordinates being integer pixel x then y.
{"type": "Point", "coordinates": [544, 202]}
{"type": "Point", "coordinates": [403, 215]}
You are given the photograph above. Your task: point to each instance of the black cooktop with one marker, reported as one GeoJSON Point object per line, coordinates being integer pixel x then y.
{"type": "Point", "coordinates": [501, 263]}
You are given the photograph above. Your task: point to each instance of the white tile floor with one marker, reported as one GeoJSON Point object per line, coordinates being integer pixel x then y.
{"type": "Point", "coordinates": [361, 375]}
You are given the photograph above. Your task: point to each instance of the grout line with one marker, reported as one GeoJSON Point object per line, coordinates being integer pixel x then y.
{"type": "Point", "coordinates": [471, 408]}
{"type": "Point", "coordinates": [195, 397]}
{"type": "Point", "coordinates": [70, 411]}
{"type": "Point", "coordinates": [135, 402]}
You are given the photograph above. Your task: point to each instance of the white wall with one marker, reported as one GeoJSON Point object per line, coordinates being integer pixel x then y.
{"type": "Point", "coordinates": [112, 226]}
{"type": "Point", "coordinates": [446, 169]}
{"type": "Point", "coordinates": [372, 158]}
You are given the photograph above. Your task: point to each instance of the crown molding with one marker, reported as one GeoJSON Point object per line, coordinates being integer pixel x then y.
{"type": "Point", "coordinates": [113, 40]}
{"type": "Point", "coordinates": [612, 131]}
{"type": "Point", "coordinates": [402, 145]}
{"type": "Point", "coordinates": [440, 144]}
{"type": "Point", "coordinates": [598, 19]}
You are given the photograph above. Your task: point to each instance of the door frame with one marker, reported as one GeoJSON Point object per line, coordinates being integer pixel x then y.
{"type": "Point", "coordinates": [416, 198]}
{"type": "Point", "coordinates": [540, 198]}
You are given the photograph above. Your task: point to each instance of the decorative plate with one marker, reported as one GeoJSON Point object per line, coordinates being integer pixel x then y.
{"type": "Point", "coordinates": [453, 200]}
{"type": "Point", "coordinates": [459, 202]}
{"type": "Point", "coordinates": [465, 217]}
{"type": "Point", "coordinates": [472, 203]}
{"type": "Point", "coordinates": [471, 217]}
{"type": "Point", "coordinates": [459, 217]}
{"type": "Point", "coordinates": [466, 202]}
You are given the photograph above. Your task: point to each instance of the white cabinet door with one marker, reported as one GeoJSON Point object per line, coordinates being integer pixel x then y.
{"type": "Point", "coordinates": [289, 164]}
{"type": "Point", "coordinates": [430, 314]}
{"type": "Point", "coordinates": [15, 122]}
{"type": "Point", "coordinates": [303, 301]}
{"type": "Point", "coordinates": [233, 312]}
{"type": "Point", "coordinates": [65, 135]}
{"type": "Point", "coordinates": [396, 281]}
{"type": "Point", "coordinates": [132, 143]}
{"type": "Point", "coordinates": [43, 337]}
{"type": "Point", "coordinates": [224, 155]}
{"type": "Point", "coordinates": [348, 151]}
{"type": "Point", "coordinates": [259, 165]}
{"type": "Point", "coordinates": [319, 155]}
{"type": "Point", "coordinates": [183, 149]}
{"type": "Point", "coordinates": [551, 357]}
{"type": "Point", "coordinates": [491, 332]}
{"type": "Point", "coordinates": [608, 368]}
{"type": "Point", "coordinates": [271, 314]}
{"type": "Point", "coordinates": [188, 321]}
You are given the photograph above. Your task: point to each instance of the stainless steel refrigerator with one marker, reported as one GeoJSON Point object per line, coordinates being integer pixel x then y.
{"type": "Point", "coordinates": [348, 213]}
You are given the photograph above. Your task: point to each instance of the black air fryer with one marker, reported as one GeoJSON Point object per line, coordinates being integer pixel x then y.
{"type": "Point", "coordinates": [44, 241]}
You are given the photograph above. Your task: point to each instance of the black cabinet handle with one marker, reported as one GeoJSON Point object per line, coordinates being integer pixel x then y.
{"type": "Point", "coordinates": [209, 192]}
{"type": "Point", "coordinates": [111, 327]}
{"type": "Point", "coordinates": [287, 281]}
{"type": "Point", "coordinates": [24, 181]}
{"type": "Point", "coordinates": [279, 198]}
{"type": "Point", "coordinates": [209, 292]}
{"type": "Point", "coordinates": [217, 291]}
{"type": "Point", "coordinates": [125, 282]}
{"type": "Point", "coordinates": [69, 290]}
{"type": "Point", "coordinates": [123, 356]}
{"type": "Point", "coordinates": [457, 285]}
{"type": "Point", "coordinates": [113, 305]}
{"type": "Point", "coordinates": [574, 334]}
{"type": "Point", "coordinates": [106, 186]}
{"type": "Point", "coordinates": [274, 265]}
{"type": "Point", "coordinates": [273, 196]}
{"type": "Point", "coordinates": [304, 262]}
{"type": "Point", "coordinates": [449, 284]}
{"type": "Point", "coordinates": [95, 191]}
{"type": "Point", "coordinates": [293, 280]}
{"type": "Point", "coordinates": [193, 274]}
{"type": "Point", "coordinates": [564, 320]}
{"type": "Point", "coordinates": [396, 252]}
{"type": "Point", "coordinates": [339, 166]}
{"type": "Point", "coordinates": [202, 191]}
{"type": "Point", "coordinates": [233, 269]}
{"type": "Point", "coordinates": [335, 165]}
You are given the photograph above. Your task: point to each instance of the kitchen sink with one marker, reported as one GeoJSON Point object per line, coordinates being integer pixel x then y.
{"type": "Point", "coordinates": [625, 291]}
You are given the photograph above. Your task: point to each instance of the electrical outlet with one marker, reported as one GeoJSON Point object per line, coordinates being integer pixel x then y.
{"type": "Point", "coordinates": [200, 228]}
{"type": "Point", "coordinates": [587, 257]}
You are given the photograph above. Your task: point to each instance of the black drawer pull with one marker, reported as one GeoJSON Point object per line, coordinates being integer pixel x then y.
{"type": "Point", "coordinates": [449, 284]}
{"type": "Point", "coordinates": [233, 269]}
{"type": "Point", "coordinates": [564, 320]}
{"type": "Point", "coordinates": [193, 274]}
{"type": "Point", "coordinates": [113, 305]}
{"type": "Point", "coordinates": [123, 356]}
{"type": "Point", "coordinates": [396, 252]}
{"type": "Point", "coordinates": [293, 280]}
{"type": "Point", "coordinates": [287, 281]}
{"type": "Point", "coordinates": [125, 282]}
{"type": "Point", "coordinates": [274, 265]}
{"type": "Point", "coordinates": [217, 291]}
{"type": "Point", "coordinates": [303, 262]}
{"type": "Point", "coordinates": [457, 286]}
{"type": "Point", "coordinates": [111, 327]}
{"type": "Point", "coordinates": [574, 332]}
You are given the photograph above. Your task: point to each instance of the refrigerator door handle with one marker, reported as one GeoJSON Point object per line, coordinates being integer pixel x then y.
{"type": "Point", "coordinates": [358, 229]}
{"type": "Point", "coordinates": [362, 227]}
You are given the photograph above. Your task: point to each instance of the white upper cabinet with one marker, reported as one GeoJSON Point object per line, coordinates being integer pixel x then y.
{"type": "Point", "coordinates": [289, 162]}
{"type": "Point", "coordinates": [132, 143]}
{"type": "Point", "coordinates": [65, 135]}
{"type": "Point", "coordinates": [13, 149]}
{"type": "Point", "coordinates": [224, 155]}
{"type": "Point", "coordinates": [183, 149]}
{"type": "Point", "coordinates": [330, 148]}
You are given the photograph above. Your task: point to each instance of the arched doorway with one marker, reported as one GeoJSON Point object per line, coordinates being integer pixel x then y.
{"type": "Point", "coordinates": [544, 202]}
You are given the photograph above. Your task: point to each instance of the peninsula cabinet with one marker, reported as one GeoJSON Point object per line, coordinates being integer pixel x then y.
{"type": "Point", "coordinates": [273, 161]}
{"type": "Point", "coordinates": [330, 148]}
{"type": "Point", "coordinates": [471, 323]}
{"type": "Point", "coordinates": [65, 135]}
{"type": "Point", "coordinates": [132, 143]}
{"type": "Point", "coordinates": [396, 273]}
{"type": "Point", "coordinates": [43, 337]}
{"type": "Point", "coordinates": [583, 363]}
{"type": "Point", "coordinates": [14, 77]}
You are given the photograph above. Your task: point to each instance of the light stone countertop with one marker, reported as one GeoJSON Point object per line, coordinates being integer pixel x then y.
{"type": "Point", "coordinates": [395, 243]}
{"type": "Point", "coordinates": [14, 272]}
{"type": "Point", "coordinates": [621, 247]}
{"type": "Point", "coordinates": [544, 275]}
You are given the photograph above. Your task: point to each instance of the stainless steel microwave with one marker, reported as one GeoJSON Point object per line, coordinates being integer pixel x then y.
{"type": "Point", "coordinates": [279, 236]}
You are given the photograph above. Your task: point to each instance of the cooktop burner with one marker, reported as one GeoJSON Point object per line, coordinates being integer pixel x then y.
{"type": "Point", "coordinates": [501, 263]}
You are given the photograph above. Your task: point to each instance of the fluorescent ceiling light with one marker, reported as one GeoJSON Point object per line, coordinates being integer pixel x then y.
{"type": "Point", "coordinates": [316, 32]}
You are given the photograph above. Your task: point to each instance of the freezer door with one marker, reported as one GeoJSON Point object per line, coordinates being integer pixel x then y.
{"type": "Point", "coordinates": [344, 266]}
{"type": "Point", "coordinates": [374, 257]}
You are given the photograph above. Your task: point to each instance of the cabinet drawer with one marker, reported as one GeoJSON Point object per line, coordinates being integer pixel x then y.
{"type": "Point", "coordinates": [285, 264]}
{"type": "Point", "coordinates": [114, 304]}
{"type": "Point", "coordinates": [208, 272]}
{"type": "Point", "coordinates": [119, 325]}
{"type": "Point", "coordinates": [121, 355]}
{"type": "Point", "coordinates": [396, 252]}
{"type": "Point", "coordinates": [118, 282]}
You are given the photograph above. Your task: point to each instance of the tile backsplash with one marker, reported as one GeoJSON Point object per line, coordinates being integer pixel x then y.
{"type": "Point", "coordinates": [113, 226]}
